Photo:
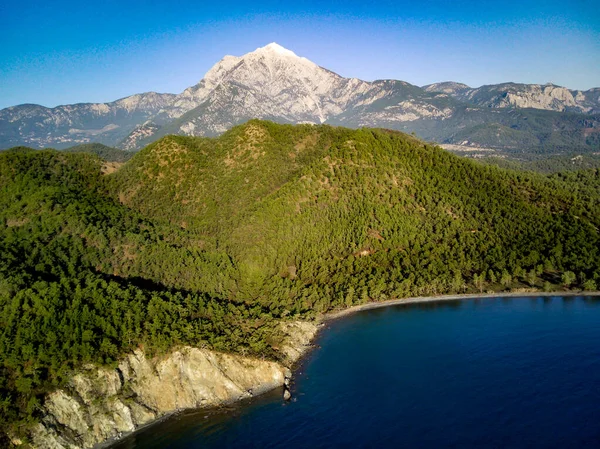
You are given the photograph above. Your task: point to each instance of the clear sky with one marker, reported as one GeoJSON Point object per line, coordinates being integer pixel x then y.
{"type": "Point", "coordinates": [60, 51]}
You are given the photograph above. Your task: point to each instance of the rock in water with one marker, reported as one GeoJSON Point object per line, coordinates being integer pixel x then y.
{"type": "Point", "coordinates": [287, 395]}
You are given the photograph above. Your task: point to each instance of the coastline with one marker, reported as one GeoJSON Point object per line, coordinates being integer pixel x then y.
{"type": "Point", "coordinates": [325, 328]}
{"type": "Point", "coordinates": [333, 315]}
{"type": "Point", "coordinates": [321, 321]}
{"type": "Point", "coordinates": [305, 340]}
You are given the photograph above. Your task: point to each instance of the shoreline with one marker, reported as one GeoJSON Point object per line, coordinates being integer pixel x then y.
{"type": "Point", "coordinates": [306, 350]}
{"type": "Point", "coordinates": [334, 315]}
{"type": "Point", "coordinates": [321, 322]}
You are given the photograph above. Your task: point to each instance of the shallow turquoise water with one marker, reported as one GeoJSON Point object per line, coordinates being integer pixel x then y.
{"type": "Point", "coordinates": [497, 373]}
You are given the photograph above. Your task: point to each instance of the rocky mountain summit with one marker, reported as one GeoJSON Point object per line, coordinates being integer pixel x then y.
{"type": "Point", "coordinates": [549, 96]}
{"type": "Point", "coordinates": [276, 84]}
{"type": "Point", "coordinates": [63, 126]}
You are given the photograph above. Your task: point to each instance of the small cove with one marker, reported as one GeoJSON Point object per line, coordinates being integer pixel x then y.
{"type": "Point", "coordinates": [497, 372]}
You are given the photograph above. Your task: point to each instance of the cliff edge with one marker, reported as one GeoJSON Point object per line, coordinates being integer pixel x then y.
{"type": "Point", "coordinates": [102, 404]}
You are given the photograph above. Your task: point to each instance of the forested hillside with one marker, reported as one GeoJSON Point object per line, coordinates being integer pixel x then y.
{"type": "Point", "coordinates": [213, 241]}
{"type": "Point", "coordinates": [107, 154]}
{"type": "Point", "coordinates": [104, 152]}
{"type": "Point", "coordinates": [84, 279]}
{"type": "Point", "coordinates": [547, 164]}
{"type": "Point", "coordinates": [307, 212]}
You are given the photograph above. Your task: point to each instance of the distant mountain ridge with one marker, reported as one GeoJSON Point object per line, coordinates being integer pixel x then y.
{"type": "Point", "coordinates": [64, 126]}
{"type": "Point", "coordinates": [274, 83]}
{"type": "Point", "coordinates": [548, 96]}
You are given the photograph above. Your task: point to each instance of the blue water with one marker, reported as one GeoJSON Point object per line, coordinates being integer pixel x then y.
{"type": "Point", "coordinates": [493, 373]}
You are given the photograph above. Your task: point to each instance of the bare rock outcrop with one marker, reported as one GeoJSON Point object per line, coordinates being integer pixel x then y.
{"type": "Point", "coordinates": [102, 404]}
{"type": "Point", "coordinates": [298, 339]}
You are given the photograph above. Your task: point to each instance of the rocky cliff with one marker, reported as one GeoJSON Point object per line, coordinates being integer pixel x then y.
{"type": "Point", "coordinates": [274, 83]}
{"type": "Point", "coordinates": [547, 97]}
{"type": "Point", "coordinates": [103, 404]}
{"type": "Point", "coordinates": [68, 125]}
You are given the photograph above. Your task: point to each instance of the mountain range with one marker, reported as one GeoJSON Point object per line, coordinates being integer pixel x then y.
{"type": "Point", "coordinates": [274, 83]}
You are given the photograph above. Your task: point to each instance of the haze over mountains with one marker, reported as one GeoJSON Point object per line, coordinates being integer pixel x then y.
{"type": "Point", "coordinates": [274, 83]}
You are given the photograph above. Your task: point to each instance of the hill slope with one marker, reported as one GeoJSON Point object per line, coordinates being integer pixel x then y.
{"type": "Point", "coordinates": [371, 205]}
{"type": "Point", "coordinates": [86, 280]}
{"type": "Point", "coordinates": [108, 154]}
{"type": "Point", "coordinates": [213, 242]}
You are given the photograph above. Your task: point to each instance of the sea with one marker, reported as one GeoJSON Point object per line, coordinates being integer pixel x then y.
{"type": "Point", "coordinates": [473, 373]}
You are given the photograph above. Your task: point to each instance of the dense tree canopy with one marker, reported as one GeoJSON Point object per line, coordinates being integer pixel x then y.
{"type": "Point", "coordinates": [213, 241]}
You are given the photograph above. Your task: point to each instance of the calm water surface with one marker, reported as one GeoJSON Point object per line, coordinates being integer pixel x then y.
{"type": "Point", "coordinates": [494, 373]}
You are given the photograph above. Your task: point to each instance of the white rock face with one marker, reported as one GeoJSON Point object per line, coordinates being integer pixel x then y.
{"type": "Point", "coordinates": [102, 404]}
{"type": "Point", "coordinates": [552, 98]}
{"type": "Point", "coordinates": [510, 95]}
{"type": "Point", "coordinates": [298, 338]}
{"type": "Point", "coordinates": [276, 84]}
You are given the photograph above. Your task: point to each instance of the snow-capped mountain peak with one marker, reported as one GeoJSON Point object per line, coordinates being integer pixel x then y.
{"type": "Point", "coordinates": [275, 83]}
{"type": "Point", "coordinates": [269, 81]}
{"type": "Point", "coordinates": [273, 56]}
{"type": "Point", "coordinates": [274, 47]}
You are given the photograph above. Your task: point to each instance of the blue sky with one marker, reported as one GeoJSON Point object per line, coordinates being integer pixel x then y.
{"type": "Point", "coordinates": [64, 52]}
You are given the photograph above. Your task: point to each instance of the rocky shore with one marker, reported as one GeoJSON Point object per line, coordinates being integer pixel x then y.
{"type": "Point", "coordinates": [101, 405]}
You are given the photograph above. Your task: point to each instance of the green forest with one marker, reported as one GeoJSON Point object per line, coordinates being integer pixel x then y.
{"type": "Point", "coordinates": [213, 242]}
